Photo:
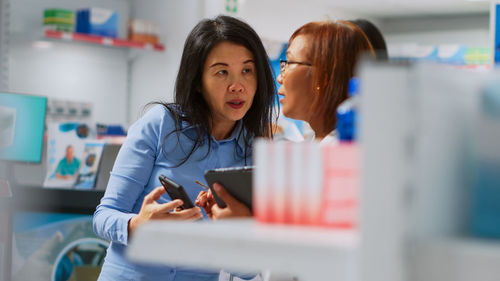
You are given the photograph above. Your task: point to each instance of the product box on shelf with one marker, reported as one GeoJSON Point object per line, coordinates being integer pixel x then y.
{"type": "Point", "coordinates": [97, 21]}
{"type": "Point", "coordinates": [307, 183]}
{"type": "Point", "coordinates": [59, 20]}
{"type": "Point", "coordinates": [143, 31]}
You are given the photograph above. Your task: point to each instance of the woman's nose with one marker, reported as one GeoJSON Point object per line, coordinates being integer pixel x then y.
{"type": "Point", "coordinates": [236, 87]}
{"type": "Point", "coordinates": [279, 79]}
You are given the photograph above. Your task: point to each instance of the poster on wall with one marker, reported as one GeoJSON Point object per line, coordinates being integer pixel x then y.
{"type": "Point", "coordinates": [73, 156]}
{"type": "Point", "coordinates": [87, 176]}
{"type": "Point", "coordinates": [56, 247]}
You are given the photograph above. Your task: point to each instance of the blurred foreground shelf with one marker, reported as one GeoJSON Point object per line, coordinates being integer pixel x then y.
{"type": "Point", "coordinates": [459, 259]}
{"type": "Point", "coordinates": [245, 245]}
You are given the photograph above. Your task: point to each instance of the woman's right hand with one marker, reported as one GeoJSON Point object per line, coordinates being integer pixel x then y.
{"type": "Point", "coordinates": [205, 200]}
{"type": "Point", "coordinates": [152, 210]}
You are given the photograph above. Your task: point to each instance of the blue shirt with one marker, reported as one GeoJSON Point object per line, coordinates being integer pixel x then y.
{"type": "Point", "coordinates": [65, 168]}
{"type": "Point", "coordinates": [135, 174]}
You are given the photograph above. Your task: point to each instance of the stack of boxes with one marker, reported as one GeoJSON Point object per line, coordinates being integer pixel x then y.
{"type": "Point", "coordinates": [94, 21]}
{"type": "Point", "coordinates": [307, 183]}
{"type": "Point", "coordinates": [99, 22]}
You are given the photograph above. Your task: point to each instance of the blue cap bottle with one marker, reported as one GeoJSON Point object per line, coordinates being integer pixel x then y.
{"type": "Point", "coordinates": [346, 113]}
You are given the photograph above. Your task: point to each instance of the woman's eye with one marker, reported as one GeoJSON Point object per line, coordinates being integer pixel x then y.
{"type": "Point", "coordinates": [247, 70]}
{"type": "Point", "coordinates": [222, 72]}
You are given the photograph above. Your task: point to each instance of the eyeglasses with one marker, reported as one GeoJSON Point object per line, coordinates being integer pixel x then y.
{"type": "Point", "coordinates": [284, 64]}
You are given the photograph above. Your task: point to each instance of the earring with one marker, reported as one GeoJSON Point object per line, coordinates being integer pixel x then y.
{"type": "Point", "coordinates": [318, 88]}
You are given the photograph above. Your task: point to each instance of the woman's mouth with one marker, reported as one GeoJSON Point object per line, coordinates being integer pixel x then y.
{"type": "Point", "coordinates": [282, 97]}
{"type": "Point", "coordinates": [236, 104]}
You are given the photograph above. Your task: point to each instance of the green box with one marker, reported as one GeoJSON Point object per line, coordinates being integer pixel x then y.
{"type": "Point", "coordinates": [59, 19]}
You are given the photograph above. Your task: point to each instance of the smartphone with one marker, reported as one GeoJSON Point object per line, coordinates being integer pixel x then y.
{"type": "Point", "coordinates": [176, 191]}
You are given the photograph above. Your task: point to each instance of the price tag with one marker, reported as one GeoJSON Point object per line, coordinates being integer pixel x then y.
{"type": "Point", "coordinates": [107, 41]}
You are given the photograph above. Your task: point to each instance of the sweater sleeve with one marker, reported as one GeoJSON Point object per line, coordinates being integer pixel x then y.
{"type": "Point", "coordinates": [131, 173]}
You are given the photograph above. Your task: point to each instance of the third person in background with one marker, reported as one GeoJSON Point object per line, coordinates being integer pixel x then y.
{"type": "Point", "coordinates": [375, 36]}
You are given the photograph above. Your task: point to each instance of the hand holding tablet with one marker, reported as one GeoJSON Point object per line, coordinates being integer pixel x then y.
{"type": "Point", "coordinates": [237, 181]}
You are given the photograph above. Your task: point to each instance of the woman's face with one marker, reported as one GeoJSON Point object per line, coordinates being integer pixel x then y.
{"type": "Point", "coordinates": [229, 82]}
{"type": "Point", "coordinates": [296, 81]}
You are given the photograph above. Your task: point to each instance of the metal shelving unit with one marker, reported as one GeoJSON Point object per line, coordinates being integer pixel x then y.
{"type": "Point", "coordinates": [36, 198]}
{"type": "Point", "coordinates": [4, 44]}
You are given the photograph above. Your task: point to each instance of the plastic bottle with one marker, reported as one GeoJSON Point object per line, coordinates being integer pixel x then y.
{"type": "Point", "coordinates": [347, 113]}
{"type": "Point", "coordinates": [341, 168]}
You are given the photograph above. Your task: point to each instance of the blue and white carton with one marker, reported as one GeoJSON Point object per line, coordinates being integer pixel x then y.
{"type": "Point", "coordinates": [97, 21]}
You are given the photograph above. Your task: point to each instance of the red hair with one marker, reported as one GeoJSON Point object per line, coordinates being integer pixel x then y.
{"type": "Point", "coordinates": [335, 49]}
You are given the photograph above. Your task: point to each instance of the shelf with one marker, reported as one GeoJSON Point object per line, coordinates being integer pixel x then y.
{"type": "Point", "coordinates": [246, 246]}
{"type": "Point", "coordinates": [99, 40]}
{"type": "Point", "coordinates": [462, 259]}
{"type": "Point", "coordinates": [55, 200]}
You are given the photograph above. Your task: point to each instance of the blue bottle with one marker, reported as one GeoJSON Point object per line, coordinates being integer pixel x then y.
{"type": "Point", "coordinates": [347, 115]}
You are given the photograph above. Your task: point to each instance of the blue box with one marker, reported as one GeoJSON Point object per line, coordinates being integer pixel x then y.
{"type": "Point", "coordinates": [97, 21]}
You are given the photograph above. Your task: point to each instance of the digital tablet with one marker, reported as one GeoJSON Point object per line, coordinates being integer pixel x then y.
{"type": "Point", "coordinates": [237, 181]}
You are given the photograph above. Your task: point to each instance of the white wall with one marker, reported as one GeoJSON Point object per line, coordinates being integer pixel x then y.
{"type": "Point", "coordinates": [471, 30]}
{"type": "Point", "coordinates": [277, 20]}
{"type": "Point", "coordinates": [153, 74]}
{"type": "Point", "coordinates": [68, 70]}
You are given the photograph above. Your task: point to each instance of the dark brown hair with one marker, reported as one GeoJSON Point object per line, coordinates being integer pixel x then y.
{"type": "Point", "coordinates": [335, 49]}
{"type": "Point", "coordinates": [189, 104]}
{"type": "Point", "coordinates": [375, 36]}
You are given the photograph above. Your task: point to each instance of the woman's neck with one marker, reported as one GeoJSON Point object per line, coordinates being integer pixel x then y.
{"type": "Point", "coordinates": [222, 130]}
{"type": "Point", "coordinates": [317, 124]}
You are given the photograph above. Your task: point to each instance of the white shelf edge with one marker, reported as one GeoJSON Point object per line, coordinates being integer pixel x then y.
{"type": "Point", "coordinates": [243, 245]}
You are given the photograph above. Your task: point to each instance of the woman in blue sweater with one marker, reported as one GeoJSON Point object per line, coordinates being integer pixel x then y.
{"type": "Point", "coordinates": [223, 99]}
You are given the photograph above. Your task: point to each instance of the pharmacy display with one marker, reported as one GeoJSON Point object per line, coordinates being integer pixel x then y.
{"type": "Point", "coordinates": [73, 156]}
